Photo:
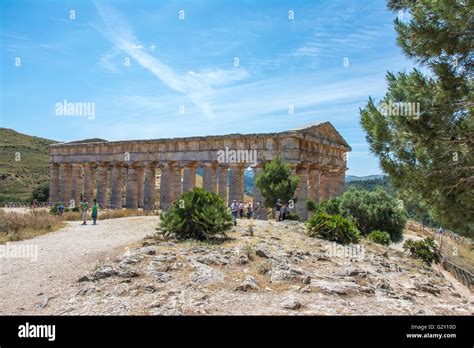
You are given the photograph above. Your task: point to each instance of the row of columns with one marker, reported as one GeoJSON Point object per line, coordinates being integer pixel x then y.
{"type": "Point", "coordinates": [67, 182]}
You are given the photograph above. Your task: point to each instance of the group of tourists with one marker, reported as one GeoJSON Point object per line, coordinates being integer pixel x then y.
{"type": "Point", "coordinates": [238, 209]}
{"type": "Point", "coordinates": [94, 211]}
{"type": "Point", "coordinates": [281, 210]}
{"type": "Point", "coordinates": [84, 208]}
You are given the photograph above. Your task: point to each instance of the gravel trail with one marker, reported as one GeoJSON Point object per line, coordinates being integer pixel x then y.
{"type": "Point", "coordinates": [56, 260]}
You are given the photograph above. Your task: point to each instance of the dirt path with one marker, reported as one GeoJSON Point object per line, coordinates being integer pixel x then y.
{"type": "Point", "coordinates": [56, 260]}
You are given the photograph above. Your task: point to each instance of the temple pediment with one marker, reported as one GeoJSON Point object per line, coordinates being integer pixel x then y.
{"type": "Point", "coordinates": [324, 130]}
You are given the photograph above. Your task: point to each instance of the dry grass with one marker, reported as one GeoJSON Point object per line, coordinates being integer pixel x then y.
{"type": "Point", "coordinates": [18, 226]}
{"type": "Point", "coordinates": [107, 214]}
{"type": "Point", "coordinates": [460, 250]}
{"type": "Point", "coordinates": [461, 254]}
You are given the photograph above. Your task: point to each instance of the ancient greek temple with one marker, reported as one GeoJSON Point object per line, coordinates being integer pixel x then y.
{"type": "Point", "coordinates": [126, 173]}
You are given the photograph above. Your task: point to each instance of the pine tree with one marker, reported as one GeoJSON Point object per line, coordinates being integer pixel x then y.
{"type": "Point", "coordinates": [276, 182]}
{"type": "Point", "coordinates": [429, 149]}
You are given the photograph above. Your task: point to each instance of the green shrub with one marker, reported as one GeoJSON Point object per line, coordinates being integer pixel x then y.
{"type": "Point", "coordinates": [311, 205]}
{"type": "Point", "coordinates": [425, 250]}
{"type": "Point", "coordinates": [41, 193]}
{"type": "Point", "coordinates": [372, 211]}
{"type": "Point", "coordinates": [197, 214]}
{"type": "Point", "coordinates": [333, 228]}
{"type": "Point", "coordinates": [292, 215]}
{"type": "Point", "coordinates": [379, 237]}
{"type": "Point", "coordinates": [329, 206]}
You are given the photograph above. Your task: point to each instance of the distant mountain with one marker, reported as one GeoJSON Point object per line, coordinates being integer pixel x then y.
{"type": "Point", "coordinates": [92, 140]}
{"type": "Point", "coordinates": [370, 183]}
{"type": "Point", "coordinates": [350, 178]}
{"type": "Point", "coordinates": [24, 164]}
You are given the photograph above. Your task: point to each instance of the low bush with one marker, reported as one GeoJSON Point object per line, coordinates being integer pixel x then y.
{"type": "Point", "coordinates": [379, 237]}
{"type": "Point", "coordinates": [333, 228]}
{"type": "Point", "coordinates": [311, 205]}
{"type": "Point", "coordinates": [40, 193]}
{"type": "Point", "coordinates": [329, 206]}
{"type": "Point", "coordinates": [425, 249]}
{"type": "Point", "coordinates": [372, 211]}
{"type": "Point", "coordinates": [293, 216]}
{"type": "Point", "coordinates": [197, 214]}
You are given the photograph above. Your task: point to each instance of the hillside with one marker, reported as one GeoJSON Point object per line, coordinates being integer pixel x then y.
{"type": "Point", "coordinates": [23, 164]}
{"type": "Point", "coordinates": [371, 183]}
{"type": "Point", "coordinates": [278, 270]}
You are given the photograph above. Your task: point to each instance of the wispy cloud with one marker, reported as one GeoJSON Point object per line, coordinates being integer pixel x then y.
{"type": "Point", "coordinates": [199, 86]}
{"type": "Point", "coordinates": [106, 60]}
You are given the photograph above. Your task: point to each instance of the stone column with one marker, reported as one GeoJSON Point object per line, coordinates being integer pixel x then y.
{"type": "Point", "coordinates": [222, 182]}
{"type": "Point", "coordinates": [164, 186]}
{"type": "Point", "coordinates": [131, 198]}
{"type": "Point", "coordinates": [140, 183]}
{"type": "Point", "coordinates": [116, 186]}
{"type": "Point", "coordinates": [189, 177]}
{"type": "Point", "coordinates": [65, 183]}
{"type": "Point", "coordinates": [209, 180]}
{"type": "Point", "coordinates": [314, 175]}
{"type": "Point", "coordinates": [257, 195]}
{"type": "Point", "coordinates": [332, 180]}
{"type": "Point", "coordinates": [236, 187]}
{"type": "Point", "coordinates": [89, 181]}
{"type": "Point", "coordinates": [102, 185]}
{"type": "Point", "coordinates": [54, 183]}
{"type": "Point", "coordinates": [324, 185]}
{"type": "Point", "coordinates": [302, 191]}
{"type": "Point", "coordinates": [175, 181]}
{"type": "Point", "coordinates": [341, 182]}
{"type": "Point", "coordinates": [76, 183]}
{"type": "Point", "coordinates": [150, 183]}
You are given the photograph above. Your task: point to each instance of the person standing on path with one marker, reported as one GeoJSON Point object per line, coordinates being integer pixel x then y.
{"type": "Point", "coordinates": [234, 208]}
{"type": "Point", "coordinates": [278, 206]}
{"type": "Point", "coordinates": [241, 209]}
{"type": "Point", "coordinates": [94, 211]}
{"type": "Point", "coordinates": [249, 210]}
{"type": "Point", "coordinates": [84, 209]}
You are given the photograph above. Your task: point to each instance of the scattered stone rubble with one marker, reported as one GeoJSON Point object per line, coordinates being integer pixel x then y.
{"type": "Point", "coordinates": [278, 270]}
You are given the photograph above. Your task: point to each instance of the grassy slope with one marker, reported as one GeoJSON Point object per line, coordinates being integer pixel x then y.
{"type": "Point", "coordinates": [19, 178]}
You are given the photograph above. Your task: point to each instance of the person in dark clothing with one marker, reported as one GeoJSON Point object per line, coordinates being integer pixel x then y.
{"type": "Point", "coordinates": [284, 212]}
{"type": "Point", "coordinates": [278, 206]}
{"type": "Point", "coordinates": [249, 211]}
{"type": "Point", "coordinates": [234, 208]}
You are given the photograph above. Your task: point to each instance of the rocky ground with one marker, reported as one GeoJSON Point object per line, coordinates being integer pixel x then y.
{"type": "Point", "coordinates": [275, 269]}
{"type": "Point", "coordinates": [47, 276]}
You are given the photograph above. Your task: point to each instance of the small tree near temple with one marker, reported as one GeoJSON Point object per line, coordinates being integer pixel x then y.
{"type": "Point", "coordinates": [276, 182]}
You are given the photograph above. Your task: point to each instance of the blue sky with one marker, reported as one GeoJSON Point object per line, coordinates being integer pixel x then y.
{"type": "Point", "coordinates": [183, 79]}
